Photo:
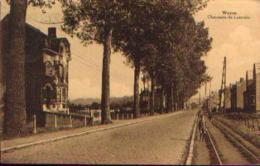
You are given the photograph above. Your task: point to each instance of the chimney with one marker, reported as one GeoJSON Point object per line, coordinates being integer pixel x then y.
{"type": "Point", "coordinates": [52, 32]}
{"type": "Point", "coordinates": [254, 73]}
{"type": "Point", "coordinates": [246, 80]}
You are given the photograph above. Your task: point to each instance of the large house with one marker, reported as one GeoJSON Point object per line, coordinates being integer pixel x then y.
{"type": "Point", "coordinates": [47, 63]}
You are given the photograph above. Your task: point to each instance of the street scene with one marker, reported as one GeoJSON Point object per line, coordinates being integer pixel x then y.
{"type": "Point", "coordinates": [130, 82]}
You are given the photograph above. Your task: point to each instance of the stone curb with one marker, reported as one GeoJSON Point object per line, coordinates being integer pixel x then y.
{"type": "Point", "coordinates": [11, 148]}
{"type": "Point", "coordinates": [191, 146]}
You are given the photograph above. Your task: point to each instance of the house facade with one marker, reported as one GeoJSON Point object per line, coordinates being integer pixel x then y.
{"type": "Point", "coordinates": [46, 66]}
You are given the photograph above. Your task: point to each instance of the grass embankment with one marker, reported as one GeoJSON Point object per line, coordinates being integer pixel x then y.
{"type": "Point", "coordinates": [245, 125]}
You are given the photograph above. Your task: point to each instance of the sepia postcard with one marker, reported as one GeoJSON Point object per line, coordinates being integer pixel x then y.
{"type": "Point", "coordinates": [139, 82]}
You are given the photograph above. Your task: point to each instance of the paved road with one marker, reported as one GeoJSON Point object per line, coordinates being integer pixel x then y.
{"type": "Point", "coordinates": [159, 141]}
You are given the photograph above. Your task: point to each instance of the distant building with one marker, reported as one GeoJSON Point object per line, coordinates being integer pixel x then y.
{"type": "Point", "coordinates": [159, 99]}
{"type": "Point", "coordinates": [252, 94]}
{"type": "Point", "coordinates": [237, 93]}
{"type": "Point", "coordinates": [47, 63]}
{"type": "Point", "coordinates": [227, 98]}
{"type": "Point", "coordinates": [249, 95]}
{"type": "Point", "coordinates": [213, 101]}
{"type": "Point", "coordinates": [144, 99]}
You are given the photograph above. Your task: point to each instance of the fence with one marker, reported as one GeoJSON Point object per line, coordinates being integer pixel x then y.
{"type": "Point", "coordinates": [59, 120]}
{"type": "Point", "coordinates": [121, 115]}
{"type": "Point", "coordinates": [125, 115]}
{"type": "Point", "coordinates": [63, 120]}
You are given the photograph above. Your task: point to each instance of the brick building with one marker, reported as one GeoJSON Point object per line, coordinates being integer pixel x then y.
{"type": "Point", "coordinates": [47, 63]}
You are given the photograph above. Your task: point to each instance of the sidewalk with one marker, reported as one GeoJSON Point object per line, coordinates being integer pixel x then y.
{"type": "Point", "coordinates": [17, 143]}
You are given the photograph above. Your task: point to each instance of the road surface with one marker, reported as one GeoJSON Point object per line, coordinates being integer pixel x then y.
{"type": "Point", "coordinates": [159, 141]}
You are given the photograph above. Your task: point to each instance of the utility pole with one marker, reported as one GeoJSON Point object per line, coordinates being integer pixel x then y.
{"type": "Point", "coordinates": [223, 87]}
{"type": "Point", "coordinates": [199, 99]}
{"type": "Point", "coordinates": [205, 90]}
{"type": "Point", "coordinates": [209, 87]}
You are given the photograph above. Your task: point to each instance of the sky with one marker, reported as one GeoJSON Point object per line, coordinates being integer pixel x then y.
{"type": "Point", "coordinates": [237, 39]}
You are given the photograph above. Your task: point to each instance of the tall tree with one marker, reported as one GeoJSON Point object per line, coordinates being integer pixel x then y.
{"type": "Point", "coordinates": [131, 37]}
{"type": "Point", "coordinates": [15, 104]}
{"type": "Point", "coordinates": [15, 100]}
{"type": "Point", "coordinates": [94, 21]}
{"type": "Point", "coordinates": [183, 43]}
{"type": "Point", "coordinates": [149, 67]}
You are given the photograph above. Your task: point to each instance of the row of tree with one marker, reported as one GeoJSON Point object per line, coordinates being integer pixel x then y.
{"type": "Point", "coordinates": [159, 38]}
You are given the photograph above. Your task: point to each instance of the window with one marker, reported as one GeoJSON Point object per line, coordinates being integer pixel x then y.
{"type": "Point", "coordinates": [58, 94]}
{"type": "Point", "coordinates": [61, 97]}
{"type": "Point", "coordinates": [61, 50]}
{"type": "Point", "coordinates": [47, 94]}
{"type": "Point", "coordinates": [48, 69]}
{"type": "Point", "coordinates": [61, 71]}
{"type": "Point", "coordinates": [65, 74]}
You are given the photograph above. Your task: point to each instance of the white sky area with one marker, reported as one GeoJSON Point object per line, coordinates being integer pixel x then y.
{"type": "Point", "coordinates": [238, 40]}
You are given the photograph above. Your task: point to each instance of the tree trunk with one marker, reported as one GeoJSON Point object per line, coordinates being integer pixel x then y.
{"type": "Point", "coordinates": [1, 62]}
{"type": "Point", "coordinates": [105, 117]}
{"type": "Point", "coordinates": [172, 99]}
{"type": "Point", "coordinates": [175, 98]}
{"type": "Point", "coordinates": [162, 100]}
{"type": "Point", "coordinates": [152, 94]}
{"type": "Point", "coordinates": [177, 101]}
{"type": "Point", "coordinates": [169, 99]}
{"type": "Point", "coordinates": [144, 82]}
{"type": "Point", "coordinates": [15, 100]}
{"type": "Point", "coordinates": [136, 89]}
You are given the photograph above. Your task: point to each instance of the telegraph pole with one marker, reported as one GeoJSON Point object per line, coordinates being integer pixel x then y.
{"type": "Point", "coordinates": [205, 90]}
{"type": "Point", "coordinates": [223, 87]}
{"type": "Point", "coordinates": [209, 87]}
{"type": "Point", "coordinates": [199, 98]}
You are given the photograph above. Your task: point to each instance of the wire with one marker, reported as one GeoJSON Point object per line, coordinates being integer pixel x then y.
{"type": "Point", "coordinates": [90, 59]}
{"type": "Point", "coordinates": [84, 62]}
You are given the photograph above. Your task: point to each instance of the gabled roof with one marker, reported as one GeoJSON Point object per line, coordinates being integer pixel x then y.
{"type": "Point", "coordinates": [5, 19]}
{"type": "Point", "coordinates": [53, 43]}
